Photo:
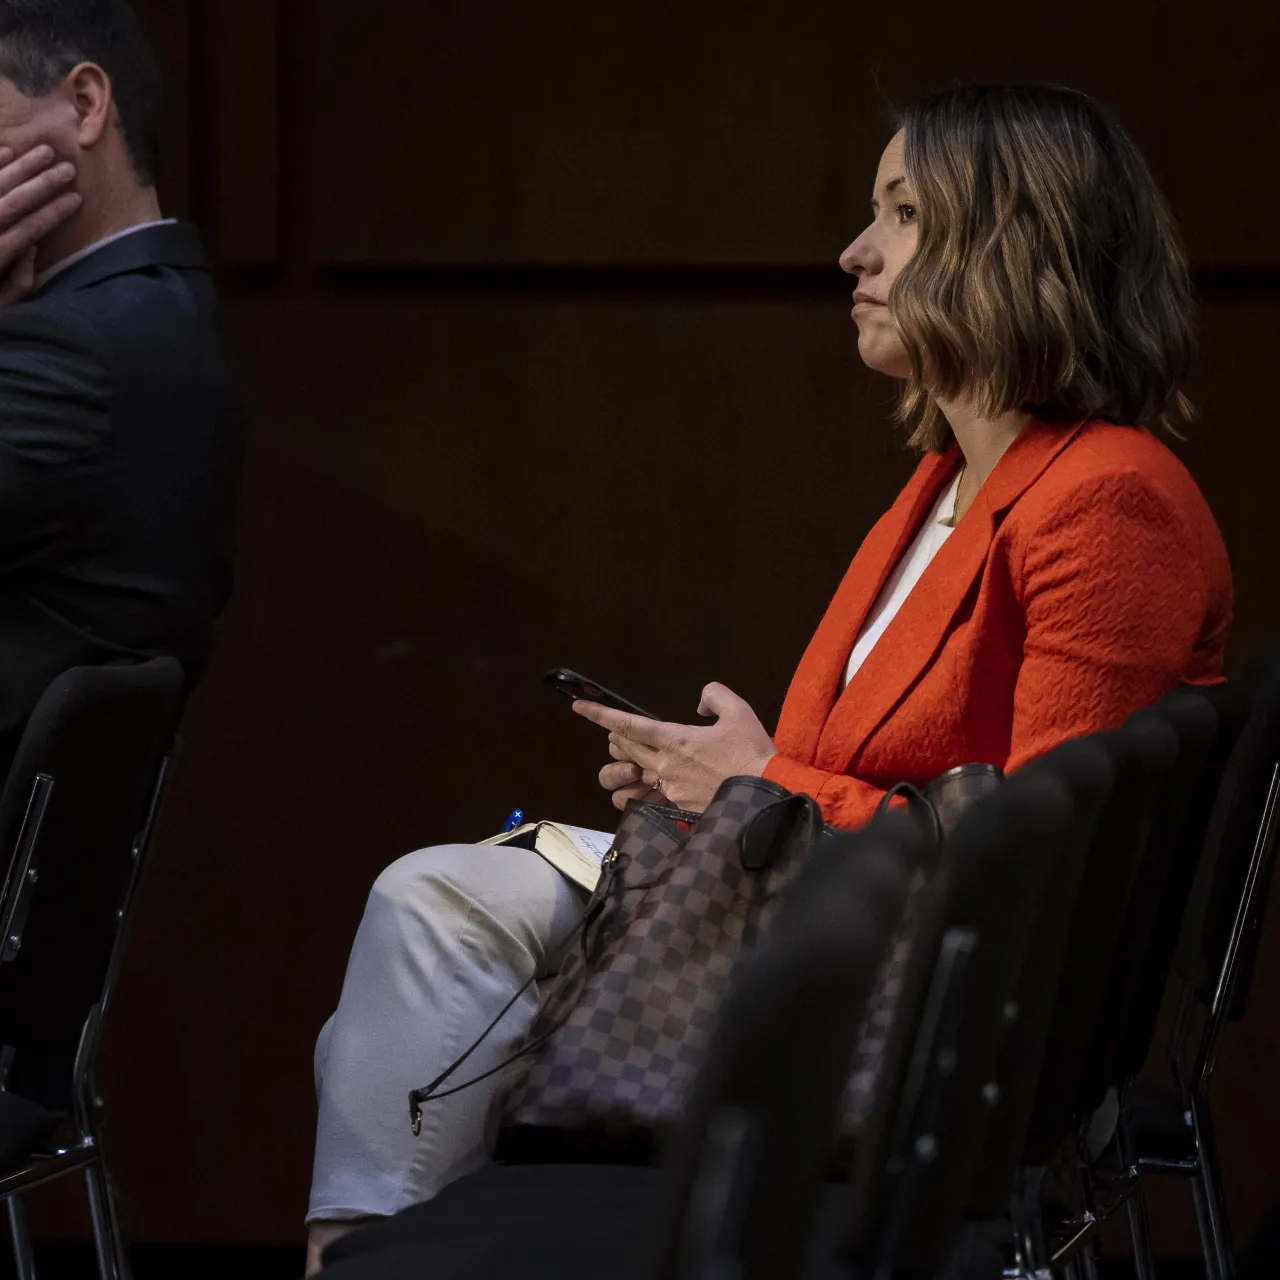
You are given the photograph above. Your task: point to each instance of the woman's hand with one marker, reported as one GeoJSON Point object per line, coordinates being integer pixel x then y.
{"type": "Point", "coordinates": [679, 763]}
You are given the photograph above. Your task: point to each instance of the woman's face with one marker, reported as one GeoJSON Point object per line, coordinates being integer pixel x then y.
{"type": "Point", "coordinates": [876, 257]}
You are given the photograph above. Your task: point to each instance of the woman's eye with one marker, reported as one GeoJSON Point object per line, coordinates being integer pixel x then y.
{"type": "Point", "coordinates": [906, 213]}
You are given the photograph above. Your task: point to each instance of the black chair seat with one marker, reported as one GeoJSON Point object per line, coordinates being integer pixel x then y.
{"type": "Point", "coordinates": [25, 1128]}
{"type": "Point", "coordinates": [1159, 1122]}
{"type": "Point", "coordinates": [569, 1222]}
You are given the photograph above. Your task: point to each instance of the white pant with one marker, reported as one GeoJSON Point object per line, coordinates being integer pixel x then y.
{"type": "Point", "coordinates": [448, 936]}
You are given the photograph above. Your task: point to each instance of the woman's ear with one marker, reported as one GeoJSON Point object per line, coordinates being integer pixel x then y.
{"type": "Point", "coordinates": [88, 91]}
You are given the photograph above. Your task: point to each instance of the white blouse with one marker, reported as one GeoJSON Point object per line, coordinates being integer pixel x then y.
{"type": "Point", "coordinates": [936, 529]}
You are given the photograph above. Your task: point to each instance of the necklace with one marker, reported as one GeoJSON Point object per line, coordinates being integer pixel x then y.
{"type": "Point", "coordinates": [956, 513]}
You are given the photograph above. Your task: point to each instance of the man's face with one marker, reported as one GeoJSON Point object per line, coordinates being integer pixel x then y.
{"type": "Point", "coordinates": [27, 122]}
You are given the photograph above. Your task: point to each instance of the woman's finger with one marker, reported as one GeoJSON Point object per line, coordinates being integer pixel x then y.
{"type": "Point", "coordinates": [718, 700]}
{"type": "Point", "coordinates": [649, 733]}
{"type": "Point", "coordinates": [645, 757]}
{"type": "Point", "coordinates": [637, 791]}
{"type": "Point", "coordinates": [613, 776]}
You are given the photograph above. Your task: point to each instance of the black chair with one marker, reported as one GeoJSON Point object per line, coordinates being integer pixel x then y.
{"type": "Point", "coordinates": [76, 816]}
{"type": "Point", "coordinates": [759, 1129]}
{"type": "Point", "coordinates": [1086, 771]}
{"type": "Point", "coordinates": [942, 1077]}
{"type": "Point", "coordinates": [1170, 1131]}
{"type": "Point", "coordinates": [743, 1181]}
{"type": "Point", "coordinates": [1206, 724]}
{"type": "Point", "coordinates": [1141, 755]}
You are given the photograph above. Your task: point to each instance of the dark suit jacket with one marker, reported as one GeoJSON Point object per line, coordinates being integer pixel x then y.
{"type": "Point", "coordinates": [121, 434]}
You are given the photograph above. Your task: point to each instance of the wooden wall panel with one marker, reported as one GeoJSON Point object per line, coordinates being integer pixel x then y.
{"type": "Point", "coordinates": [1220, 97]}
{"type": "Point", "coordinates": [169, 24]}
{"type": "Point", "coordinates": [573, 132]}
{"type": "Point", "coordinates": [240, 44]}
{"type": "Point", "coordinates": [1233, 450]}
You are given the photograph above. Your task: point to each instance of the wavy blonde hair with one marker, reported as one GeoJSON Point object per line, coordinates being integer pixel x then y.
{"type": "Point", "coordinates": [1049, 275]}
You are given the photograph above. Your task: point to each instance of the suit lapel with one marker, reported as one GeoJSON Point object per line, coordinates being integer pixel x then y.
{"type": "Point", "coordinates": [816, 684]}
{"type": "Point", "coordinates": [917, 632]}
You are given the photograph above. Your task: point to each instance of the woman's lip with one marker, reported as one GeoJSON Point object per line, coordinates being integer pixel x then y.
{"type": "Point", "coordinates": [860, 303]}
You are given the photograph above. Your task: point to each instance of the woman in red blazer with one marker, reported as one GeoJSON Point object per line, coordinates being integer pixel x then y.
{"type": "Point", "coordinates": [1024, 280]}
{"type": "Point", "coordinates": [1043, 574]}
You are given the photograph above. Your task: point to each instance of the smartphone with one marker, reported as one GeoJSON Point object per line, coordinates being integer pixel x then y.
{"type": "Point", "coordinates": [571, 685]}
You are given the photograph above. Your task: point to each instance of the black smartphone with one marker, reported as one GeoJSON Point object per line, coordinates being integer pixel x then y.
{"type": "Point", "coordinates": [571, 685]}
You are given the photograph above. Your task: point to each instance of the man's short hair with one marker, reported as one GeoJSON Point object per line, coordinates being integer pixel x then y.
{"type": "Point", "coordinates": [42, 40]}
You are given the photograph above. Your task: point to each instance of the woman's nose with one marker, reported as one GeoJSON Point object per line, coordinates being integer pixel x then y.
{"type": "Point", "coordinates": [862, 257]}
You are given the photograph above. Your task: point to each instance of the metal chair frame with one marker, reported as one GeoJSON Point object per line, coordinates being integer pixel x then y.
{"type": "Point", "coordinates": [83, 1147]}
{"type": "Point", "coordinates": [1118, 1181]}
{"type": "Point", "coordinates": [1193, 1067]}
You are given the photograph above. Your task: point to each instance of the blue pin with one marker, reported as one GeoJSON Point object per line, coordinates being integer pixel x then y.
{"type": "Point", "coordinates": [516, 818]}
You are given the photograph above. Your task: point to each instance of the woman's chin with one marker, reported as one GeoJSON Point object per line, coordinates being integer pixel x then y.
{"type": "Point", "coordinates": [884, 357]}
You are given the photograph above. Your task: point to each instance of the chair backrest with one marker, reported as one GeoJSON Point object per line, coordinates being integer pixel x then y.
{"type": "Point", "coordinates": [762, 1117]}
{"type": "Point", "coordinates": [1207, 723]}
{"type": "Point", "coordinates": [1085, 770]}
{"type": "Point", "coordinates": [1250, 787]}
{"type": "Point", "coordinates": [80, 794]}
{"type": "Point", "coordinates": [939, 1082]}
{"type": "Point", "coordinates": [1142, 754]}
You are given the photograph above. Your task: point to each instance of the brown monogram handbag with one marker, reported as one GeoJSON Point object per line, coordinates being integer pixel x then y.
{"type": "Point", "coordinates": [682, 897]}
{"type": "Point", "coordinates": [623, 1029]}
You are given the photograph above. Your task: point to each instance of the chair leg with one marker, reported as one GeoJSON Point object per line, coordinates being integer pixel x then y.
{"type": "Point", "coordinates": [23, 1256]}
{"type": "Point", "coordinates": [113, 1258]}
{"type": "Point", "coordinates": [1089, 1263]}
{"type": "Point", "coordinates": [1211, 1204]}
{"type": "Point", "coordinates": [1204, 1226]}
{"type": "Point", "coordinates": [1144, 1266]}
{"type": "Point", "coordinates": [1031, 1251]}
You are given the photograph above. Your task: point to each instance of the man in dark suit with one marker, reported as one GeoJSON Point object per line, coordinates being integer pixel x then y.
{"type": "Point", "coordinates": [120, 415]}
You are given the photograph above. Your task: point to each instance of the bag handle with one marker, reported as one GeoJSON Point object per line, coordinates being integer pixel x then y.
{"type": "Point", "coordinates": [917, 803]}
{"type": "Point", "coordinates": [764, 834]}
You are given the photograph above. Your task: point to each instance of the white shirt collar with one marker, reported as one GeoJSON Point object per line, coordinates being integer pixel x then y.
{"type": "Point", "coordinates": [59, 267]}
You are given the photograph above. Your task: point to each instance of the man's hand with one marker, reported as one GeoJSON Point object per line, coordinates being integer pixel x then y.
{"type": "Point", "coordinates": [685, 763]}
{"type": "Point", "coordinates": [34, 200]}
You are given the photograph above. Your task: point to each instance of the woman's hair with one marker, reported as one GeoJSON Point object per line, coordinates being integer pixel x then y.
{"type": "Point", "coordinates": [1049, 275]}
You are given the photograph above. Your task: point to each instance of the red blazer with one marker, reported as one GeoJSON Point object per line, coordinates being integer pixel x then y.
{"type": "Point", "coordinates": [1087, 579]}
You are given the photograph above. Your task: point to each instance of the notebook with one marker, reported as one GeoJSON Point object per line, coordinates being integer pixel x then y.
{"type": "Point", "coordinates": [575, 852]}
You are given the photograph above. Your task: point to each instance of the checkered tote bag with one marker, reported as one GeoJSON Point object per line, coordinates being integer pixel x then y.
{"type": "Point", "coordinates": [625, 1025]}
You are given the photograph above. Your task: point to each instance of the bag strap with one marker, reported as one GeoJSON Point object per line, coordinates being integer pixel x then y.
{"type": "Point", "coordinates": [429, 1093]}
{"type": "Point", "coordinates": [917, 803]}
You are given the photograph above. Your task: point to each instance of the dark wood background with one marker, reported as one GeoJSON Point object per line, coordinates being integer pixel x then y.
{"type": "Point", "coordinates": [551, 363]}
